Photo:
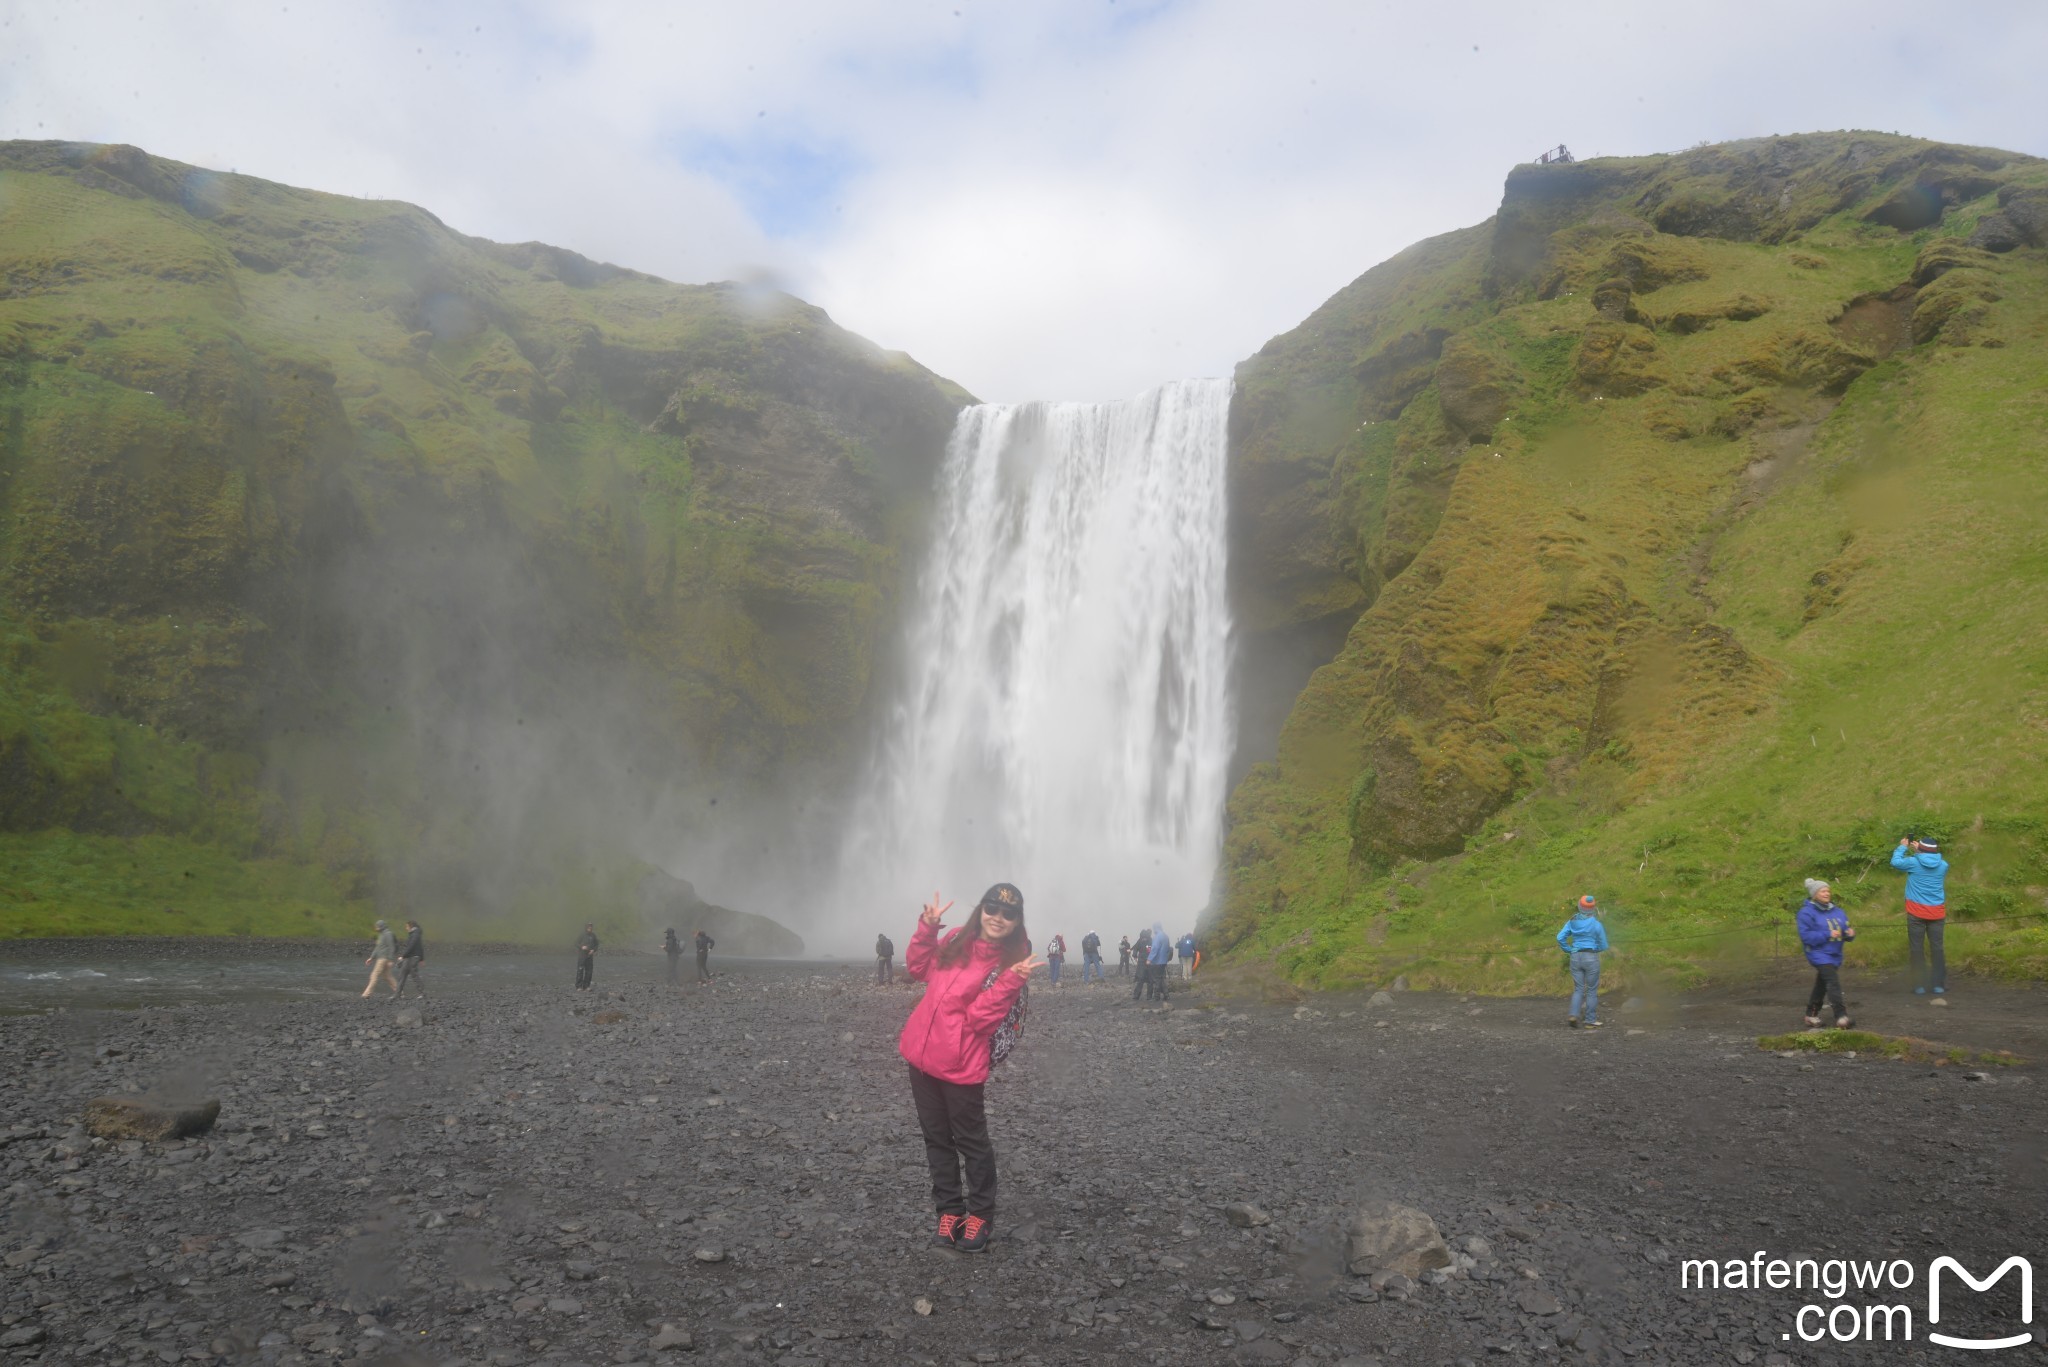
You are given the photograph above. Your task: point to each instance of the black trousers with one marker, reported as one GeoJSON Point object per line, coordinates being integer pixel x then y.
{"type": "Point", "coordinates": [885, 970]}
{"type": "Point", "coordinates": [703, 972]}
{"type": "Point", "coordinates": [1827, 981]}
{"type": "Point", "coordinates": [1123, 968]}
{"type": "Point", "coordinates": [586, 964]}
{"type": "Point", "coordinates": [672, 975]}
{"type": "Point", "coordinates": [1930, 969]}
{"type": "Point", "coordinates": [409, 971]}
{"type": "Point", "coordinates": [955, 1129]}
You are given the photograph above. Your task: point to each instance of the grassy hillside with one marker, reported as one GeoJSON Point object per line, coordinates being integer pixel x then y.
{"type": "Point", "coordinates": [349, 562]}
{"type": "Point", "coordinates": [1685, 524]}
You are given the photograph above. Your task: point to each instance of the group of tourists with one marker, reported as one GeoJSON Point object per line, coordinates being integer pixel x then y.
{"type": "Point", "coordinates": [672, 947]}
{"type": "Point", "coordinates": [1152, 954]}
{"type": "Point", "coordinates": [1824, 931]}
{"type": "Point", "coordinates": [977, 975]}
{"type": "Point", "coordinates": [394, 964]}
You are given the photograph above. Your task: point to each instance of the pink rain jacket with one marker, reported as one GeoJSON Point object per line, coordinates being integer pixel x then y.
{"type": "Point", "coordinates": [948, 1032]}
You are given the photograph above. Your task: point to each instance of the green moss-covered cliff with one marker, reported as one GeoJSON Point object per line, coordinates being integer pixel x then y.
{"type": "Point", "coordinates": [1674, 535]}
{"type": "Point", "coordinates": [345, 559]}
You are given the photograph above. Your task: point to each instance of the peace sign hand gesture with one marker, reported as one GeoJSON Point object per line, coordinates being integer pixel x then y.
{"type": "Point", "coordinates": [934, 914]}
{"type": "Point", "coordinates": [1022, 968]}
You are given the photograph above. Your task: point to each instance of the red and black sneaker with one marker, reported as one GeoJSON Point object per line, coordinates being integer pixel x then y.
{"type": "Point", "coordinates": [948, 1235]}
{"type": "Point", "coordinates": [974, 1232]}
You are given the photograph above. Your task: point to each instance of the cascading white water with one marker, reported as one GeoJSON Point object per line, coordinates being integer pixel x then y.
{"type": "Point", "coordinates": [1065, 719]}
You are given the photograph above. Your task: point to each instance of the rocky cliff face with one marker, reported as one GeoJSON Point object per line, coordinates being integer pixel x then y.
{"type": "Point", "coordinates": [1605, 521]}
{"type": "Point", "coordinates": [333, 536]}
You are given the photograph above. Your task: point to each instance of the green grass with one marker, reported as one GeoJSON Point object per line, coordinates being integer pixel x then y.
{"type": "Point", "coordinates": [60, 883]}
{"type": "Point", "coordinates": [205, 384]}
{"type": "Point", "coordinates": [1903, 1048]}
{"type": "Point", "coordinates": [1622, 662]}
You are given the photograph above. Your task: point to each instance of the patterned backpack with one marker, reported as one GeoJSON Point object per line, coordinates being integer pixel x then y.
{"type": "Point", "coordinates": [1012, 1027]}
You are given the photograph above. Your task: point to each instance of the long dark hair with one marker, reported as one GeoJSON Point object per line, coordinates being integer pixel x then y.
{"type": "Point", "coordinates": [1012, 948]}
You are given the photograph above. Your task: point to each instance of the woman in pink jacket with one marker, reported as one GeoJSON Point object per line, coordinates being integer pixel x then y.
{"type": "Point", "coordinates": [972, 978]}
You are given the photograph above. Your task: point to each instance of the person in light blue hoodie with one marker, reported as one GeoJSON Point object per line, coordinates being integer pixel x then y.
{"type": "Point", "coordinates": [1584, 939]}
{"type": "Point", "coordinates": [1156, 962]}
{"type": "Point", "coordinates": [1919, 858]}
{"type": "Point", "coordinates": [1824, 928]}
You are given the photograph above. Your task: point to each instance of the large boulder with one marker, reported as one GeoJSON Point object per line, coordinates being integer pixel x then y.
{"type": "Point", "coordinates": [1385, 1236]}
{"type": "Point", "coordinates": [2026, 208]}
{"type": "Point", "coordinates": [136, 1117]}
{"type": "Point", "coordinates": [1997, 233]}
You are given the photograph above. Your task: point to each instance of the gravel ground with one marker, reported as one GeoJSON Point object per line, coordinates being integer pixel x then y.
{"type": "Point", "coordinates": [732, 1174]}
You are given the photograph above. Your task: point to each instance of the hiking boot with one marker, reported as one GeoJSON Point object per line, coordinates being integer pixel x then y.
{"type": "Point", "coordinates": [1572, 1021]}
{"type": "Point", "coordinates": [948, 1234]}
{"type": "Point", "coordinates": [1596, 1025]}
{"type": "Point", "coordinates": [974, 1233]}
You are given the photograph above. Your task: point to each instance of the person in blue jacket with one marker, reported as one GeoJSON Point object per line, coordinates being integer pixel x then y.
{"type": "Point", "coordinates": [1584, 939]}
{"type": "Point", "coordinates": [1919, 858]}
{"type": "Point", "coordinates": [1156, 962]}
{"type": "Point", "coordinates": [1824, 928]}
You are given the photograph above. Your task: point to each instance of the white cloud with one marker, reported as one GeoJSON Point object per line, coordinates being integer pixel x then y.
{"type": "Point", "coordinates": [1065, 199]}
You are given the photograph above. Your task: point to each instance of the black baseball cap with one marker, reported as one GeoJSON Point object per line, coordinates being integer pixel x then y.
{"type": "Point", "coordinates": [1005, 897]}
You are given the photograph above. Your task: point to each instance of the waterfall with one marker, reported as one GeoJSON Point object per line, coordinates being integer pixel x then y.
{"type": "Point", "coordinates": [1064, 719]}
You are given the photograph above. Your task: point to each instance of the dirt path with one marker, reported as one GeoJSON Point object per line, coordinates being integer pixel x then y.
{"type": "Point", "coordinates": [516, 1181]}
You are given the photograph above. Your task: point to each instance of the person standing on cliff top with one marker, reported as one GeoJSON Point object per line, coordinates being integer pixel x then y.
{"type": "Point", "coordinates": [1919, 858]}
{"type": "Point", "coordinates": [973, 980]}
{"type": "Point", "coordinates": [381, 956]}
{"type": "Point", "coordinates": [586, 956]}
{"type": "Point", "coordinates": [1584, 939]}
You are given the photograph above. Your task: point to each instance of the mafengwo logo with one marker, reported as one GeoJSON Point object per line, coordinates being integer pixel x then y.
{"type": "Point", "coordinates": [2026, 1271]}
{"type": "Point", "coordinates": [1851, 1320]}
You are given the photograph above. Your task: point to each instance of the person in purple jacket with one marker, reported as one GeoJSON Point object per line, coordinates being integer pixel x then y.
{"type": "Point", "coordinates": [1824, 928]}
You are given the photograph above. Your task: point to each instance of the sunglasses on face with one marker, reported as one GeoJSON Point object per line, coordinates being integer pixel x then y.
{"type": "Point", "coordinates": [997, 913]}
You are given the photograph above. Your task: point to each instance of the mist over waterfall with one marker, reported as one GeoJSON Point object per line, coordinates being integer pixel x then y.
{"type": "Point", "coordinates": [1064, 718]}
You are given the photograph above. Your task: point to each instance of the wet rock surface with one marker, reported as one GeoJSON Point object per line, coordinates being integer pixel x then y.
{"type": "Point", "coordinates": [733, 1174]}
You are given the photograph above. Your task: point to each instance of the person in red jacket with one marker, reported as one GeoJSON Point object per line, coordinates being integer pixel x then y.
{"type": "Point", "coordinates": [972, 978]}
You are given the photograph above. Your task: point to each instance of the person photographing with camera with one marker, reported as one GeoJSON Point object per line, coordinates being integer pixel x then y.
{"type": "Point", "coordinates": [1919, 858]}
{"type": "Point", "coordinates": [1823, 929]}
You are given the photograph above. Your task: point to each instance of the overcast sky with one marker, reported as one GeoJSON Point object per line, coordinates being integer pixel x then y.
{"type": "Point", "coordinates": [1052, 199]}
